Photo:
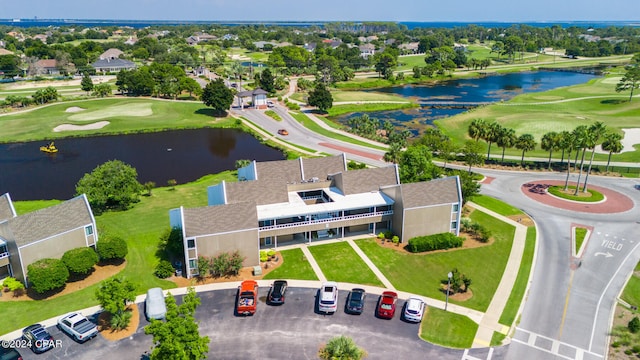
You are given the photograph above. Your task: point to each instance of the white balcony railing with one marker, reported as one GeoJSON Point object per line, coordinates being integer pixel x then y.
{"type": "Point", "coordinates": [4, 255]}
{"type": "Point", "coordinates": [326, 220]}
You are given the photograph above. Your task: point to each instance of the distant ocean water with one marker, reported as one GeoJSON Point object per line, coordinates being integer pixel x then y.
{"type": "Point", "coordinates": [410, 25]}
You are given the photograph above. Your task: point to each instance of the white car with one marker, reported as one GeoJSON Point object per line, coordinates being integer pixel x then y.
{"type": "Point", "coordinates": [78, 327]}
{"type": "Point", "coordinates": [328, 299]}
{"type": "Point", "coordinates": [414, 309]}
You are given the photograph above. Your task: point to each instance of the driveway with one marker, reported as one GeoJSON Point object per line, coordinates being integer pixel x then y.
{"type": "Point", "coordinates": [291, 331]}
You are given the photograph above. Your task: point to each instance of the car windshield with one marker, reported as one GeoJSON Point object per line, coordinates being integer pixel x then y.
{"type": "Point", "coordinates": [385, 306]}
{"type": "Point", "coordinates": [40, 333]}
{"type": "Point", "coordinates": [328, 289]}
{"type": "Point", "coordinates": [80, 323]}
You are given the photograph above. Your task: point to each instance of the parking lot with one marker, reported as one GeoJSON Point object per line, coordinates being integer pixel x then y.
{"type": "Point", "coordinates": [291, 331]}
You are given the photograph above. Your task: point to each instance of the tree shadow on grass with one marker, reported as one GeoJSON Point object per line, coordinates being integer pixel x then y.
{"type": "Point", "coordinates": [211, 112]}
{"type": "Point", "coordinates": [613, 101]}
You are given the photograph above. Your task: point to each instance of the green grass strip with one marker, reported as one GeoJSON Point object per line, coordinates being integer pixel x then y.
{"type": "Point", "coordinates": [497, 338]}
{"type": "Point", "coordinates": [448, 329]}
{"type": "Point", "coordinates": [580, 235]}
{"type": "Point", "coordinates": [294, 266]}
{"type": "Point", "coordinates": [520, 286]}
{"type": "Point", "coordinates": [496, 205]}
{"type": "Point", "coordinates": [339, 262]}
{"type": "Point", "coordinates": [368, 107]}
{"type": "Point", "coordinates": [313, 126]}
{"type": "Point", "coordinates": [272, 114]}
{"type": "Point", "coordinates": [558, 191]}
{"type": "Point", "coordinates": [631, 293]}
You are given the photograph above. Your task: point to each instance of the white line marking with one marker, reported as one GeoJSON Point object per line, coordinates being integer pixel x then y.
{"type": "Point", "coordinates": [543, 349]}
{"type": "Point", "coordinates": [555, 344]}
{"type": "Point", "coordinates": [595, 318]}
{"type": "Point", "coordinates": [490, 354]}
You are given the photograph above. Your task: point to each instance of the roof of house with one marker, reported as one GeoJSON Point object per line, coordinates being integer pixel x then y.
{"type": "Point", "coordinates": [113, 63]}
{"type": "Point", "coordinates": [367, 180]}
{"type": "Point", "coordinates": [6, 208]}
{"type": "Point", "coordinates": [5, 52]}
{"type": "Point", "coordinates": [51, 221]}
{"type": "Point", "coordinates": [434, 192]}
{"type": "Point", "coordinates": [247, 93]}
{"type": "Point", "coordinates": [215, 219]}
{"type": "Point", "coordinates": [47, 63]}
{"type": "Point", "coordinates": [289, 172]}
{"type": "Point", "coordinates": [112, 53]}
{"type": "Point", "coordinates": [260, 192]}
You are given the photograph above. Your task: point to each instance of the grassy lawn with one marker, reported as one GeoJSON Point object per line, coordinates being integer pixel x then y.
{"type": "Point", "coordinates": [517, 293]}
{"type": "Point", "coordinates": [339, 262]}
{"type": "Point", "coordinates": [124, 115]}
{"type": "Point", "coordinates": [367, 107]}
{"type": "Point", "coordinates": [401, 268]}
{"type": "Point", "coordinates": [294, 266]}
{"type": "Point", "coordinates": [496, 339]}
{"type": "Point", "coordinates": [496, 205]}
{"type": "Point", "coordinates": [631, 293]}
{"type": "Point", "coordinates": [311, 125]}
{"type": "Point", "coordinates": [538, 113]}
{"type": "Point", "coordinates": [447, 329]}
{"type": "Point", "coordinates": [141, 226]}
{"type": "Point", "coordinates": [580, 234]}
{"type": "Point", "coordinates": [272, 114]}
{"type": "Point", "coordinates": [559, 192]}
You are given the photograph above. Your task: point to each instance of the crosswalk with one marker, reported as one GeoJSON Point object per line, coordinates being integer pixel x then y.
{"type": "Point", "coordinates": [559, 349]}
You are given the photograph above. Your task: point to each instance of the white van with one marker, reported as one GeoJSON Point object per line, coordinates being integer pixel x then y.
{"type": "Point", "coordinates": [154, 305]}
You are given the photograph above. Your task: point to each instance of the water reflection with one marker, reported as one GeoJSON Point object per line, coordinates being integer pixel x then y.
{"type": "Point", "coordinates": [185, 155]}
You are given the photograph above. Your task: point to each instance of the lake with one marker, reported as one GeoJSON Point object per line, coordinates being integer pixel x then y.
{"type": "Point", "coordinates": [477, 90]}
{"type": "Point", "coordinates": [26, 173]}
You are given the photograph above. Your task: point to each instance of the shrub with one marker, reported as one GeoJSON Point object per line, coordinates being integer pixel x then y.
{"type": "Point", "coordinates": [80, 260]}
{"type": "Point", "coordinates": [47, 274]}
{"type": "Point", "coordinates": [395, 239]}
{"type": "Point", "coordinates": [112, 248]}
{"type": "Point", "coordinates": [381, 236]}
{"type": "Point", "coordinates": [227, 264]}
{"type": "Point", "coordinates": [388, 235]}
{"type": "Point", "coordinates": [636, 349]}
{"type": "Point", "coordinates": [12, 284]}
{"type": "Point", "coordinates": [634, 325]}
{"type": "Point", "coordinates": [263, 256]}
{"type": "Point", "coordinates": [164, 269]}
{"type": "Point", "coordinates": [434, 242]}
{"type": "Point", "coordinates": [271, 253]}
{"type": "Point", "coordinates": [204, 266]}
{"type": "Point", "coordinates": [293, 106]}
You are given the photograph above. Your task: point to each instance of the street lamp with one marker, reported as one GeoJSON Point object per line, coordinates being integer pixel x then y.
{"type": "Point", "coordinates": [449, 276]}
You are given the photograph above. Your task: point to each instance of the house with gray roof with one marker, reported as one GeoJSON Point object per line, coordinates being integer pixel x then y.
{"type": "Point", "coordinates": [45, 233]}
{"type": "Point", "coordinates": [113, 65]}
{"type": "Point", "coordinates": [276, 203]}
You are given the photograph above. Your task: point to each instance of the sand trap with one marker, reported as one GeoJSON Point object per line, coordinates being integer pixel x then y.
{"type": "Point", "coordinates": [631, 137]}
{"type": "Point", "coordinates": [137, 109]}
{"type": "Point", "coordinates": [74, 109]}
{"type": "Point", "coordinates": [69, 127]}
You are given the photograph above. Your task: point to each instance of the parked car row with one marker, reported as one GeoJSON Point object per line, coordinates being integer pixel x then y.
{"type": "Point", "coordinates": [327, 300]}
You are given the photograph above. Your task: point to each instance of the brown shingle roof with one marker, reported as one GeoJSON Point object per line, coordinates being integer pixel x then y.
{"type": "Point", "coordinates": [112, 53]}
{"type": "Point", "coordinates": [281, 171]}
{"type": "Point", "coordinates": [434, 192]}
{"type": "Point", "coordinates": [260, 192]}
{"type": "Point", "coordinates": [51, 221]}
{"type": "Point", "coordinates": [367, 180]}
{"type": "Point", "coordinates": [47, 63]}
{"type": "Point", "coordinates": [219, 219]}
{"type": "Point", "coordinates": [6, 210]}
{"type": "Point", "coordinates": [322, 166]}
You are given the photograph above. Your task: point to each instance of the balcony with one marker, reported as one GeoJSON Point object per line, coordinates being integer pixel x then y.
{"type": "Point", "coordinates": [326, 220]}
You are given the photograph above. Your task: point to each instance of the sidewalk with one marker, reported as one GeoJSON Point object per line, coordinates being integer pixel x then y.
{"type": "Point", "coordinates": [490, 320]}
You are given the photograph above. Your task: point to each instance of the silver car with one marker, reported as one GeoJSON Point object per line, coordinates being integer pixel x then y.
{"type": "Point", "coordinates": [78, 327]}
{"type": "Point", "coordinates": [328, 299]}
{"type": "Point", "coordinates": [414, 309]}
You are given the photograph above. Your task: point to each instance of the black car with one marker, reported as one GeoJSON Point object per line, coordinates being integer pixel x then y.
{"type": "Point", "coordinates": [9, 354]}
{"type": "Point", "coordinates": [355, 301]}
{"type": "Point", "coordinates": [277, 291]}
{"type": "Point", "coordinates": [38, 337]}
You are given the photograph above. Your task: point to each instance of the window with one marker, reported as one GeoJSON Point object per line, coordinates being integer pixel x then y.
{"type": "Point", "coordinates": [456, 207]}
{"type": "Point", "coordinates": [88, 230]}
{"type": "Point", "coordinates": [192, 264]}
{"type": "Point", "coordinates": [454, 225]}
{"type": "Point", "coordinates": [267, 240]}
{"type": "Point", "coordinates": [191, 243]}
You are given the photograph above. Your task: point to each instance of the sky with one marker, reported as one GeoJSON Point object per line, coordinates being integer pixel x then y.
{"type": "Point", "coordinates": [326, 10]}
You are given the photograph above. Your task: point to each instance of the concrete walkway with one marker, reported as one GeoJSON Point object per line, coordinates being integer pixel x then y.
{"type": "Point", "coordinates": [371, 265]}
{"type": "Point", "coordinates": [313, 263]}
{"type": "Point", "coordinates": [490, 320]}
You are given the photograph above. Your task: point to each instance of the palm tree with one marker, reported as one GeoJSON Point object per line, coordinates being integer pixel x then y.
{"type": "Point", "coordinates": [612, 144]}
{"type": "Point", "coordinates": [506, 139]}
{"type": "Point", "coordinates": [549, 143]}
{"type": "Point", "coordinates": [491, 133]}
{"type": "Point", "coordinates": [477, 129]}
{"type": "Point", "coordinates": [343, 348]}
{"type": "Point", "coordinates": [597, 131]}
{"type": "Point", "coordinates": [569, 143]}
{"type": "Point", "coordinates": [526, 142]}
{"type": "Point", "coordinates": [583, 138]}
{"type": "Point", "coordinates": [562, 143]}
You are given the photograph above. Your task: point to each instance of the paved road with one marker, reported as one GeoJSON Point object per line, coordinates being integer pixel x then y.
{"type": "Point", "coordinates": [291, 331]}
{"type": "Point", "coordinates": [570, 303]}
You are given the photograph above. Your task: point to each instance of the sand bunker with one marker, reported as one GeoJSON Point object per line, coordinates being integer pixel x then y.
{"type": "Point", "coordinates": [69, 127]}
{"type": "Point", "coordinates": [125, 110]}
{"type": "Point", "coordinates": [74, 109]}
{"type": "Point", "coordinates": [631, 137]}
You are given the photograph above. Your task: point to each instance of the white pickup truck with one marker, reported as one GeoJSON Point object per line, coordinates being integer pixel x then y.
{"type": "Point", "coordinates": [78, 327]}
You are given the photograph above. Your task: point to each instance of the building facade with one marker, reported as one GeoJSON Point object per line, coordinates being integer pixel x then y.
{"type": "Point", "coordinates": [45, 233]}
{"type": "Point", "coordinates": [296, 201]}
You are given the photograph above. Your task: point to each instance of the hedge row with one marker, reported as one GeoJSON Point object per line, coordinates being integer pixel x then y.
{"type": "Point", "coordinates": [434, 242]}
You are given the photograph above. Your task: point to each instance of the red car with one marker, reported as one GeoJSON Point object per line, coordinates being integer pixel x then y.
{"type": "Point", "coordinates": [387, 305]}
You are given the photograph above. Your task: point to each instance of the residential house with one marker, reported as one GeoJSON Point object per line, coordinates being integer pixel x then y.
{"type": "Point", "coordinates": [276, 203]}
{"type": "Point", "coordinates": [46, 67]}
{"type": "Point", "coordinates": [113, 65]}
{"type": "Point", "coordinates": [311, 47]}
{"type": "Point", "coordinates": [261, 44]}
{"type": "Point", "coordinates": [45, 233]}
{"type": "Point", "coordinates": [41, 37]}
{"type": "Point", "coordinates": [200, 37]}
{"type": "Point", "coordinates": [131, 41]}
{"type": "Point", "coordinates": [409, 48]}
{"type": "Point", "coordinates": [5, 52]}
{"type": "Point", "coordinates": [367, 50]}
{"type": "Point", "coordinates": [111, 54]}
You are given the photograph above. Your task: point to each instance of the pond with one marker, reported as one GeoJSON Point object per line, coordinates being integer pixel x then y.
{"type": "Point", "coordinates": [467, 91]}
{"type": "Point", "coordinates": [184, 155]}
